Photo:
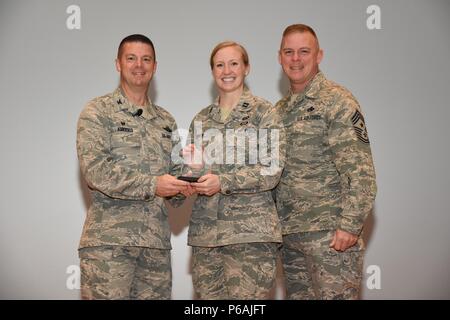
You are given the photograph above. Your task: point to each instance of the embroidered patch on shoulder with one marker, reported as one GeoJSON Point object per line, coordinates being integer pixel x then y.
{"type": "Point", "coordinates": [360, 127]}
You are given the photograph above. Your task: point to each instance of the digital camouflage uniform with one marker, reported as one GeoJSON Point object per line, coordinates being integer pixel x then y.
{"type": "Point", "coordinates": [328, 183]}
{"type": "Point", "coordinates": [235, 232]}
{"type": "Point", "coordinates": [121, 152]}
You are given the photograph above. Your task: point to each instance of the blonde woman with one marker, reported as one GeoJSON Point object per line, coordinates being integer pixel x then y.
{"type": "Point", "coordinates": [234, 229]}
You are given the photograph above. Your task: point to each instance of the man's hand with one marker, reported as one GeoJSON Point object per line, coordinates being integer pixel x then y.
{"type": "Point", "coordinates": [208, 184]}
{"type": "Point", "coordinates": [168, 185]}
{"type": "Point", "coordinates": [343, 240]}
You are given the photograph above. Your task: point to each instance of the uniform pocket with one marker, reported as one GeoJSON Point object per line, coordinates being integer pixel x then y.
{"type": "Point", "coordinates": [351, 273]}
{"type": "Point", "coordinates": [126, 146]}
{"type": "Point", "coordinates": [96, 253]}
{"type": "Point", "coordinates": [249, 213]}
{"type": "Point", "coordinates": [166, 148]}
{"type": "Point", "coordinates": [306, 139]}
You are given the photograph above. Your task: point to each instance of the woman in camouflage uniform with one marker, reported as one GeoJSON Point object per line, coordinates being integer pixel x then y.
{"type": "Point", "coordinates": [234, 229]}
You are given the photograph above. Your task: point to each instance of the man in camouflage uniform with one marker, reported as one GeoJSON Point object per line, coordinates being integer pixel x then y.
{"type": "Point", "coordinates": [234, 229]}
{"type": "Point", "coordinates": [328, 185]}
{"type": "Point", "coordinates": [124, 145]}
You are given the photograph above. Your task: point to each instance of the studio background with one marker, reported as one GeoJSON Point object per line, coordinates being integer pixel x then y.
{"type": "Point", "coordinates": [399, 74]}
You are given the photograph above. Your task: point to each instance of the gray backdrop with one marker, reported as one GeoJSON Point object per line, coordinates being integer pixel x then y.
{"type": "Point", "coordinates": [399, 74]}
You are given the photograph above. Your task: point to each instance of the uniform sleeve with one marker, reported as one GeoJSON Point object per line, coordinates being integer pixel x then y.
{"type": "Point", "coordinates": [266, 174]}
{"type": "Point", "coordinates": [101, 170]}
{"type": "Point", "coordinates": [349, 142]}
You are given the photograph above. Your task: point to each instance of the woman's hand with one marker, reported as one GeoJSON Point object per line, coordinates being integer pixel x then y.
{"type": "Point", "coordinates": [209, 184]}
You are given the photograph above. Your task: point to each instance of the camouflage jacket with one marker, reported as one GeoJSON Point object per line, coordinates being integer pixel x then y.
{"type": "Point", "coordinates": [121, 153]}
{"type": "Point", "coordinates": [244, 210]}
{"type": "Point", "coordinates": [329, 178]}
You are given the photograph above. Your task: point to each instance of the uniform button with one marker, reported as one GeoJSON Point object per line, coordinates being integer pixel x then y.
{"type": "Point", "coordinates": [147, 197]}
{"type": "Point", "coordinates": [228, 192]}
{"type": "Point", "coordinates": [109, 159]}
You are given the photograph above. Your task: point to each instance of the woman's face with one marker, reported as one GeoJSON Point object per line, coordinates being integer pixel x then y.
{"type": "Point", "coordinates": [229, 70]}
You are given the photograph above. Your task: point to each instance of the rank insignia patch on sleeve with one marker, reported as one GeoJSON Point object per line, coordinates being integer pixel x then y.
{"type": "Point", "coordinates": [360, 127]}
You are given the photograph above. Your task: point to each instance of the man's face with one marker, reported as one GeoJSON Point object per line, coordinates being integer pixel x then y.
{"type": "Point", "coordinates": [229, 69]}
{"type": "Point", "coordinates": [300, 57]}
{"type": "Point", "coordinates": [136, 64]}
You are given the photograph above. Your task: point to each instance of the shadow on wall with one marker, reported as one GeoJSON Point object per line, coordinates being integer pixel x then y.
{"type": "Point", "coordinates": [366, 235]}
{"type": "Point", "coordinates": [278, 291]}
{"type": "Point", "coordinates": [179, 217]}
{"type": "Point", "coordinates": [369, 227]}
{"type": "Point", "coordinates": [152, 91]}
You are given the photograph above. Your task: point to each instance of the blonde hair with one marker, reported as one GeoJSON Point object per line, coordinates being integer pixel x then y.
{"type": "Point", "coordinates": [226, 44]}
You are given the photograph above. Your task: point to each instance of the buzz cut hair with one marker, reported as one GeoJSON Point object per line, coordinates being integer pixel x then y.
{"type": "Point", "coordinates": [300, 28]}
{"type": "Point", "coordinates": [135, 38]}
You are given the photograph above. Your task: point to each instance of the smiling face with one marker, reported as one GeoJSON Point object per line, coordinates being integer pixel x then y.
{"type": "Point", "coordinates": [136, 65]}
{"type": "Point", "coordinates": [229, 69]}
{"type": "Point", "coordinates": [300, 56]}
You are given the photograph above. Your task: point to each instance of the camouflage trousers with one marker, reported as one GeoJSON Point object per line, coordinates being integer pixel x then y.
{"type": "Point", "coordinates": [118, 272]}
{"type": "Point", "coordinates": [238, 271]}
{"type": "Point", "coordinates": [313, 270]}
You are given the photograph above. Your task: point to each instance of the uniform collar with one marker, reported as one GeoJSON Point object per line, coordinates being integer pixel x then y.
{"type": "Point", "coordinates": [121, 103]}
{"type": "Point", "coordinates": [313, 88]}
{"type": "Point", "coordinates": [311, 91]}
{"type": "Point", "coordinates": [243, 107]}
